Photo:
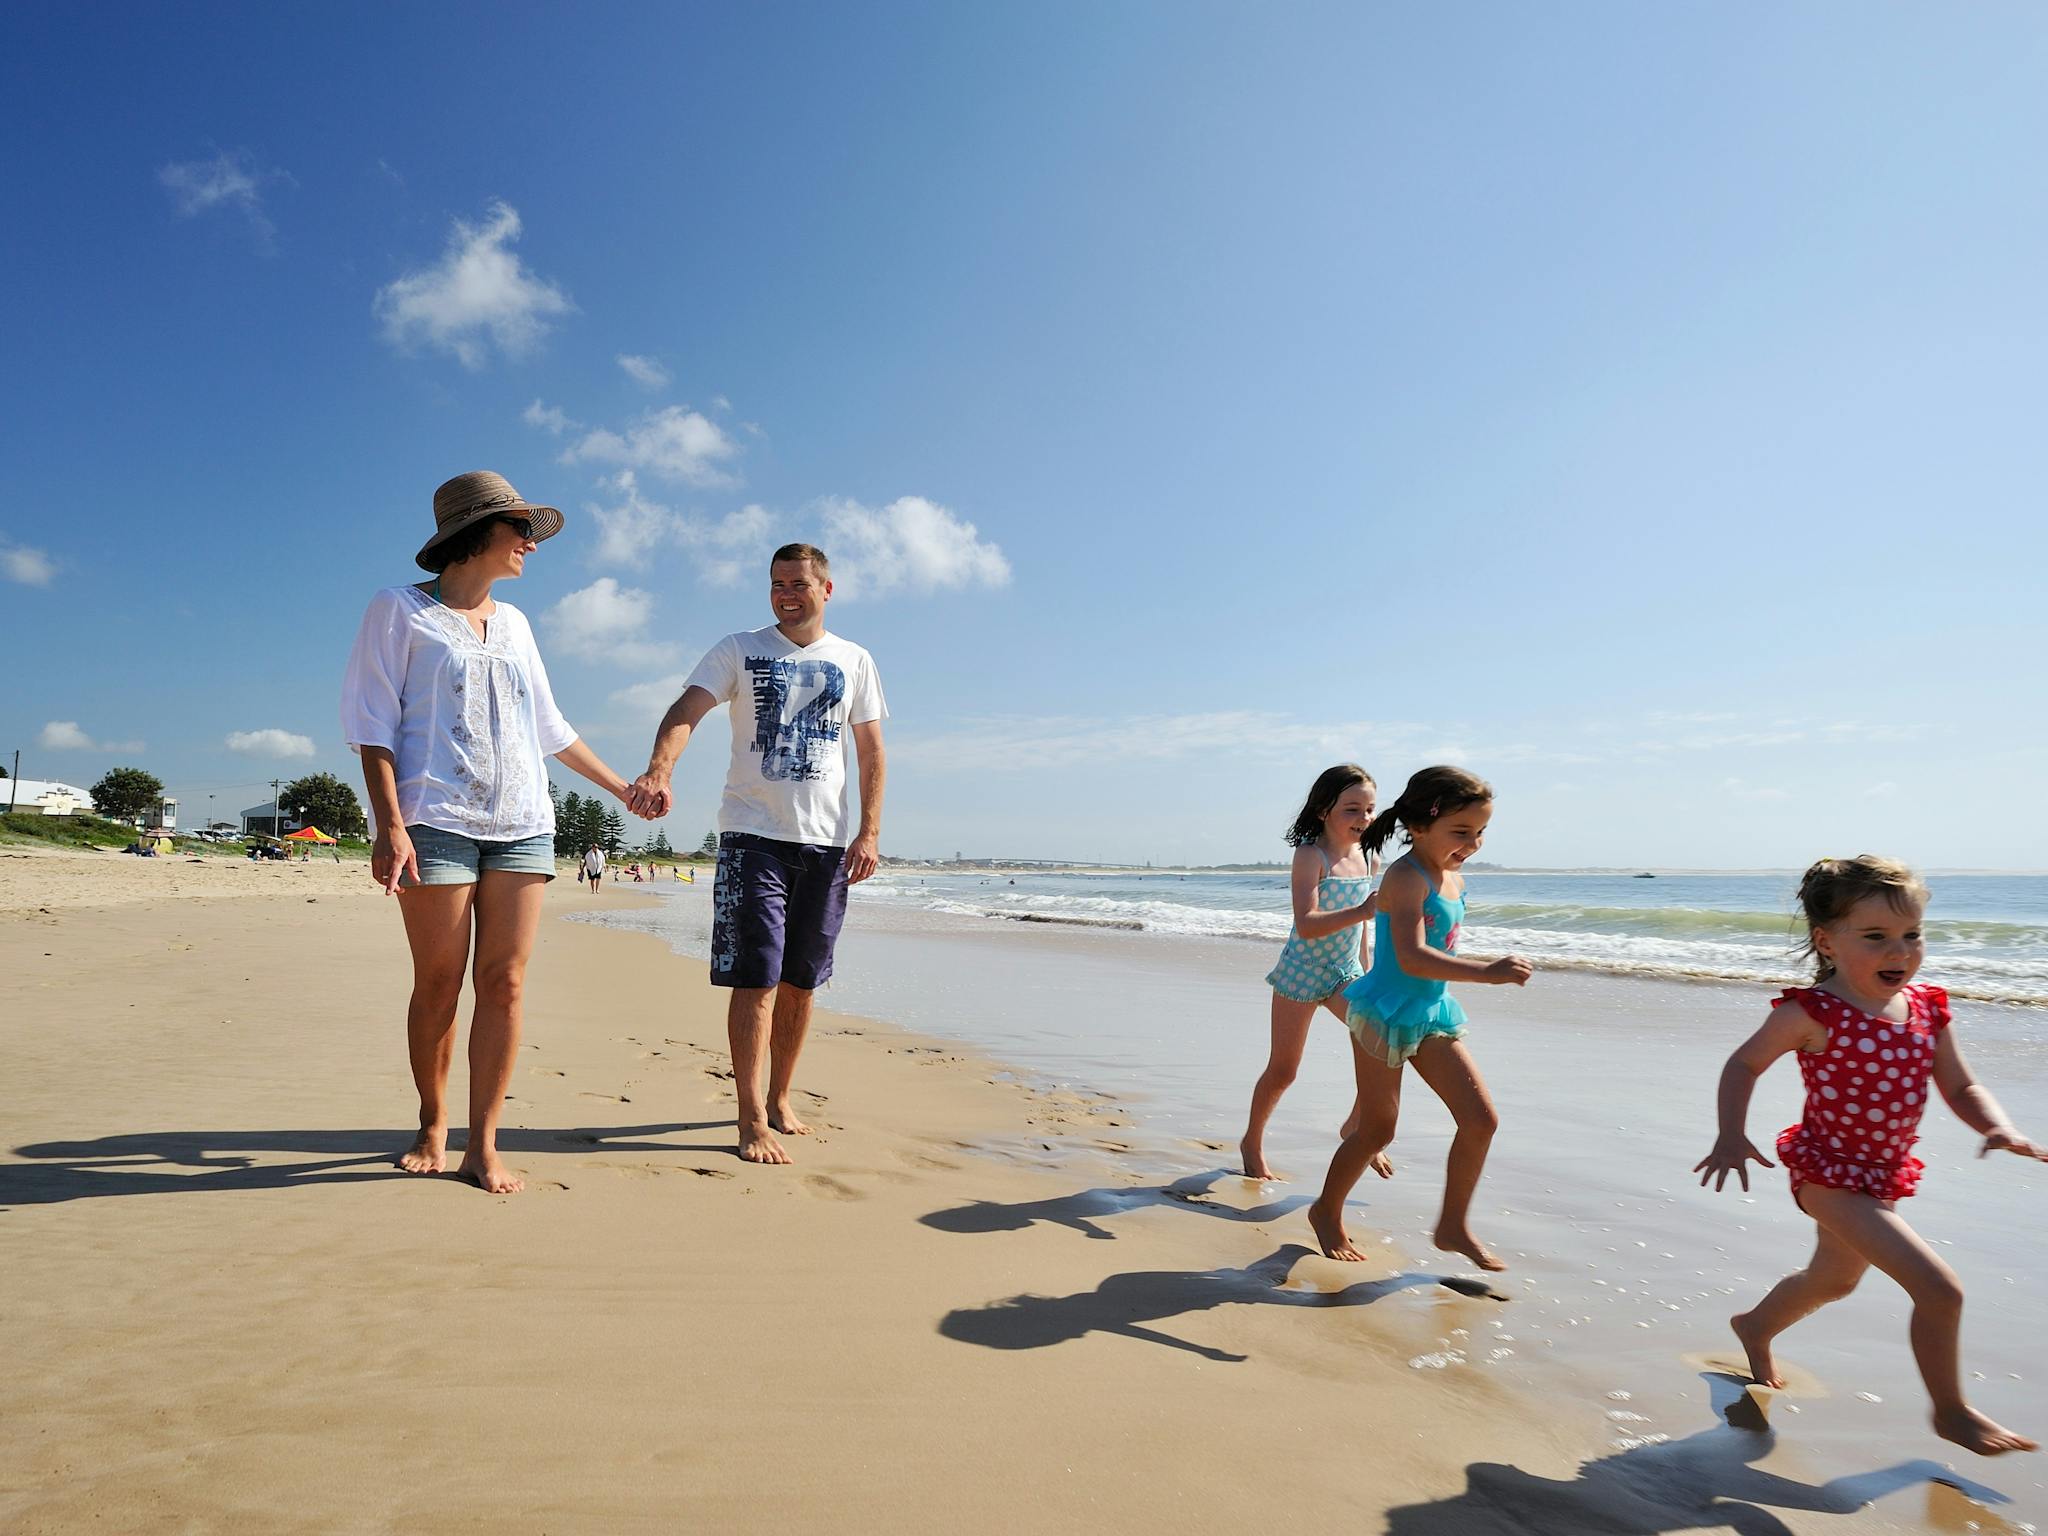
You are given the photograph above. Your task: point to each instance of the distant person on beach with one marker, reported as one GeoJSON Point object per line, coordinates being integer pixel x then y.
{"type": "Point", "coordinates": [1400, 1012]}
{"type": "Point", "coordinates": [593, 866]}
{"type": "Point", "coordinates": [1332, 891]}
{"type": "Point", "coordinates": [1869, 1040]}
{"type": "Point", "coordinates": [787, 848]}
{"type": "Point", "coordinates": [448, 703]}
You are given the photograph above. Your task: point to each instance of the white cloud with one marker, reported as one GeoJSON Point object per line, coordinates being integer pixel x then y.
{"type": "Point", "coordinates": [229, 180]}
{"type": "Point", "coordinates": [675, 443]}
{"type": "Point", "coordinates": [644, 371]}
{"type": "Point", "coordinates": [912, 543]}
{"type": "Point", "coordinates": [30, 567]}
{"type": "Point", "coordinates": [645, 703]}
{"type": "Point", "coordinates": [479, 293]}
{"type": "Point", "coordinates": [1739, 789]}
{"type": "Point", "coordinates": [633, 527]}
{"type": "Point", "coordinates": [605, 622]}
{"type": "Point", "coordinates": [719, 402]}
{"type": "Point", "coordinates": [549, 418]}
{"type": "Point", "coordinates": [727, 549]}
{"type": "Point", "coordinates": [65, 736]}
{"type": "Point", "coordinates": [270, 743]}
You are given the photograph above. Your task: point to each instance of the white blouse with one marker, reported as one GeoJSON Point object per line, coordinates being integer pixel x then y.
{"type": "Point", "coordinates": [468, 722]}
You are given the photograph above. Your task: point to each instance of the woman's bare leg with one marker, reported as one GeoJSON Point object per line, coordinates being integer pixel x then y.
{"type": "Point", "coordinates": [507, 921]}
{"type": "Point", "coordinates": [437, 929]}
{"type": "Point", "coordinates": [1874, 1229]}
{"type": "Point", "coordinates": [1830, 1274]}
{"type": "Point", "coordinates": [1379, 1108]}
{"type": "Point", "coordinates": [1451, 1073]}
{"type": "Point", "coordinates": [1290, 1037]}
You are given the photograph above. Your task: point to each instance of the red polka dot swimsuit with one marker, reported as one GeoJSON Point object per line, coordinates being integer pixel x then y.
{"type": "Point", "coordinates": [1864, 1094]}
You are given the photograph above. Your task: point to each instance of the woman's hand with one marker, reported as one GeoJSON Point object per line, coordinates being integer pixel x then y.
{"type": "Point", "coordinates": [1508, 971]}
{"type": "Point", "coordinates": [391, 857]}
{"type": "Point", "coordinates": [1731, 1154]}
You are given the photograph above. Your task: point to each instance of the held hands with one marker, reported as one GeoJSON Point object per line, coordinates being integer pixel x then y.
{"type": "Point", "coordinates": [2006, 1139]}
{"type": "Point", "coordinates": [1731, 1154]}
{"type": "Point", "coordinates": [861, 858]}
{"type": "Point", "coordinates": [649, 796]}
{"type": "Point", "coordinates": [1508, 971]}
{"type": "Point", "coordinates": [392, 856]}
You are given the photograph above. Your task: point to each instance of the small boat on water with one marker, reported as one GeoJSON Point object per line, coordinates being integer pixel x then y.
{"type": "Point", "coordinates": [1645, 875]}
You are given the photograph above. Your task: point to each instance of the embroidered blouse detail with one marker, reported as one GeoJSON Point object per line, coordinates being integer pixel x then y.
{"type": "Point", "coordinates": [469, 720]}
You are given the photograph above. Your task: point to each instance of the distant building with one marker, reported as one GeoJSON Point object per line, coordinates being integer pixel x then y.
{"type": "Point", "coordinates": [49, 796]}
{"type": "Point", "coordinates": [263, 819]}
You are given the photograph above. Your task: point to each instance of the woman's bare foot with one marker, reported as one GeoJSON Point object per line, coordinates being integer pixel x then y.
{"type": "Point", "coordinates": [1255, 1164]}
{"type": "Point", "coordinates": [428, 1153]}
{"type": "Point", "coordinates": [1763, 1370]}
{"type": "Point", "coordinates": [1973, 1432]}
{"type": "Point", "coordinates": [1329, 1231]}
{"type": "Point", "coordinates": [1381, 1166]}
{"type": "Point", "coordinates": [758, 1145]}
{"type": "Point", "coordinates": [1458, 1240]}
{"type": "Point", "coordinates": [488, 1173]}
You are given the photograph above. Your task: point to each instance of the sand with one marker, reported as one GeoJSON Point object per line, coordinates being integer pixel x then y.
{"type": "Point", "coordinates": [226, 1311]}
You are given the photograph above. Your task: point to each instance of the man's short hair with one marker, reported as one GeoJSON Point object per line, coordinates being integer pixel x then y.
{"type": "Point", "coordinates": [809, 552]}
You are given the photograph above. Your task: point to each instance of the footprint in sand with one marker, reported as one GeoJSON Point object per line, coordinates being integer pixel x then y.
{"type": "Point", "coordinates": [608, 1098]}
{"type": "Point", "coordinates": [546, 1072]}
{"type": "Point", "coordinates": [926, 1160]}
{"type": "Point", "coordinates": [828, 1188]}
{"type": "Point", "coordinates": [545, 1184]}
{"type": "Point", "coordinates": [1732, 1363]}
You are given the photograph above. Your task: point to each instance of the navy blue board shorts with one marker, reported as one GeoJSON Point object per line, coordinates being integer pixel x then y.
{"type": "Point", "coordinates": [776, 909]}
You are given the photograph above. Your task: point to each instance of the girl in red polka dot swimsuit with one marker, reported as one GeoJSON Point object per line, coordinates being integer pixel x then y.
{"type": "Point", "coordinates": [1870, 1041]}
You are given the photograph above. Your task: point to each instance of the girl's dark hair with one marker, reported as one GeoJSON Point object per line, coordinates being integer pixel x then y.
{"type": "Point", "coordinates": [1329, 784]}
{"type": "Point", "coordinates": [1831, 887]}
{"type": "Point", "coordinates": [462, 546]}
{"type": "Point", "coordinates": [1431, 793]}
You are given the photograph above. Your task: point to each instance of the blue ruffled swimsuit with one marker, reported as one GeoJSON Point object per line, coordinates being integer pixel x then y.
{"type": "Point", "coordinates": [1391, 1012]}
{"type": "Point", "coordinates": [1309, 970]}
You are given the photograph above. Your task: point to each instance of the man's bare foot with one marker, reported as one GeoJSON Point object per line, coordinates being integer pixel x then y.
{"type": "Point", "coordinates": [1460, 1241]}
{"type": "Point", "coordinates": [1973, 1432]}
{"type": "Point", "coordinates": [1381, 1166]}
{"type": "Point", "coordinates": [758, 1145]}
{"type": "Point", "coordinates": [784, 1119]}
{"type": "Point", "coordinates": [428, 1153]}
{"type": "Point", "coordinates": [1329, 1231]}
{"type": "Point", "coordinates": [1763, 1370]}
{"type": "Point", "coordinates": [488, 1173]}
{"type": "Point", "coordinates": [1254, 1156]}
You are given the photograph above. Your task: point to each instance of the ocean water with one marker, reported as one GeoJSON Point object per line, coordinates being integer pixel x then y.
{"type": "Point", "coordinates": [1987, 935]}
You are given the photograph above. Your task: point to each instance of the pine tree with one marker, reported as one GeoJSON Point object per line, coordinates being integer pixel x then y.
{"type": "Point", "coordinates": [569, 825]}
{"type": "Point", "coordinates": [659, 847]}
{"type": "Point", "coordinates": [709, 847]}
{"type": "Point", "coordinates": [614, 835]}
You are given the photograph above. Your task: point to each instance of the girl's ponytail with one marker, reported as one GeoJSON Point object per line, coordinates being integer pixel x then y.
{"type": "Point", "coordinates": [1431, 793]}
{"type": "Point", "coordinates": [1380, 830]}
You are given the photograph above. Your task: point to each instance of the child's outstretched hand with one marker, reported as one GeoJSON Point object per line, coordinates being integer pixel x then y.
{"type": "Point", "coordinates": [2006, 1139]}
{"type": "Point", "coordinates": [1731, 1154]}
{"type": "Point", "coordinates": [1509, 971]}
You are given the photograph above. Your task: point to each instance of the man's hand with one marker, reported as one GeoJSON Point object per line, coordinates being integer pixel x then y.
{"type": "Point", "coordinates": [861, 858]}
{"type": "Point", "coordinates": [650, 796]}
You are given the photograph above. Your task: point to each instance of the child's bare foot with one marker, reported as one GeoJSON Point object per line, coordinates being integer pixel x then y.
{"type": "Point", "coordinates": [428, 1153]}
{"type": "Point", "coordinates": [488, 1172]}
{"type": "Point", "coordinates": [784, 1119]}
{"type": "Point", "coordinates": [1255, 1164]}
{"type": "Point", "coordinates": [1381, 1166]}
{"type": "Point", "coordinates": [1329, 1231]}
{"type": "Point", "coordinates": [758, 1145]}
{"type": "Point", "coordinates": [1973, 1432]}
{"type": "Point", "coordinates": [1458, 1240]}
{"type": "Point", "coordinates": [1763, 1370]}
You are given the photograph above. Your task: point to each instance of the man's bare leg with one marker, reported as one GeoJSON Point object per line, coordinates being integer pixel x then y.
{"type": "Point", "coordinates": [746, 1031]}
{"type": "Point", "coordinates": [507, 922]}
{"type": "Point", "coordinates": [785, 1044]}
{"type": "Point", "coordinates": [437, 930]}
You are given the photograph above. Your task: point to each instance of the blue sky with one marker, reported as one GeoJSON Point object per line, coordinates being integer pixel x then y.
{"type": "Point", "coordinates": [1638, 404]}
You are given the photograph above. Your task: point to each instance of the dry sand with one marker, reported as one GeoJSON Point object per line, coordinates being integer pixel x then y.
{"type": "Point", "coordinates": [224, 1309]}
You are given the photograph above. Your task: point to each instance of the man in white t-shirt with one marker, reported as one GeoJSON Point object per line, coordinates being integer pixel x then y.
{"type": "Point", "coordinates": [787, 848]}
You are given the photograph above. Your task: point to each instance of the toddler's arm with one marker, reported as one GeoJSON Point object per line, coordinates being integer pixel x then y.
{"type": "Point", "coordinates": [1973, 1103]}
{"type": "Point", "coordinates": [1788, 1027]}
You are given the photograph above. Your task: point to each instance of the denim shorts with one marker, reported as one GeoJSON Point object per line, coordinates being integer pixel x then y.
{"type": "Point", "coordinates": [776, 909]}
{"type": "Point", "coordinates": [449, 858]}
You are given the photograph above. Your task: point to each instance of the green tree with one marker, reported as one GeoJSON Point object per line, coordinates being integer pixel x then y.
{"type": "Point", "coordinates": [569, 825]}
{"type": "Point", "coordinates": [660, 848]}
{"type": "Point", "coordinates": [126, 793]}
{"type": "Point", "coordinates": [590, 824]}
{"type": "Point", "coordinates": [3, 771]}
{"type": "Point", "coordinates": [614, 834]}
{"type": "Point", "coordinates": [321, 800]}
{"type": "Point", "coordinates": [709, 847]}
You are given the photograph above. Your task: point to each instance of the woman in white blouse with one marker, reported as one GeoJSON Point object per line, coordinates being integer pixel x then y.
{"type": "Point", "coordinates": [448, 703]}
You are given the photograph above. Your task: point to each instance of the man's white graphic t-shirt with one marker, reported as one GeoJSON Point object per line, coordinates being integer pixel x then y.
{"type": "Point", "coordinates": [791, 706]}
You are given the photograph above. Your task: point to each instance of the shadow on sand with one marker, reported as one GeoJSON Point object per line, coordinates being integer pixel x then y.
{"type": "Point", "coordinates": [1126, 1304]}
{"type": "Point", "coordinates": [148, 1162]}
{"type": "Point", "coordinates": [1080, 1212]}
{"type": "Point", "coordinates": [1703, 1482]}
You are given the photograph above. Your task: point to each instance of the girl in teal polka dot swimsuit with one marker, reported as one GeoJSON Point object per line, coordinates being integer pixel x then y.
{"type": "Point", "coordinates": [1333, 901]}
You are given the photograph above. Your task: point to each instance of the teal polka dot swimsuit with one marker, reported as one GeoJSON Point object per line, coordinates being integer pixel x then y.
{"type": "Point", "coordinates": [1309, 970]}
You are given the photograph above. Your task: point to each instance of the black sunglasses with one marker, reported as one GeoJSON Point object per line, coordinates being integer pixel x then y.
{"type": "Point", "coordinates": [519, 525]}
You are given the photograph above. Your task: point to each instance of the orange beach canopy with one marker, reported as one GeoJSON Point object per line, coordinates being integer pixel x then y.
{"type": "Point", "coordinates": [307, 835]}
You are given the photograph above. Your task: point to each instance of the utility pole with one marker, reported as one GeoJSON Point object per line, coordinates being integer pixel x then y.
{"type": "Point", "coordinates": [14, 784]}
{"type": "Point", "coordinates": [276, 810]}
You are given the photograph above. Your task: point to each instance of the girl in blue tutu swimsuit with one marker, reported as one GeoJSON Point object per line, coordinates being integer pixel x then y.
{"type": "Point", "coordinates": [1400, 1013]}
{"type": "Point", "coordinates": [1332, 889]}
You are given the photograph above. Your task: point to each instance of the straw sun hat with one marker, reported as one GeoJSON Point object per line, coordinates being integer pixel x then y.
{"type": "Point", "coordinates": [470, 498]}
